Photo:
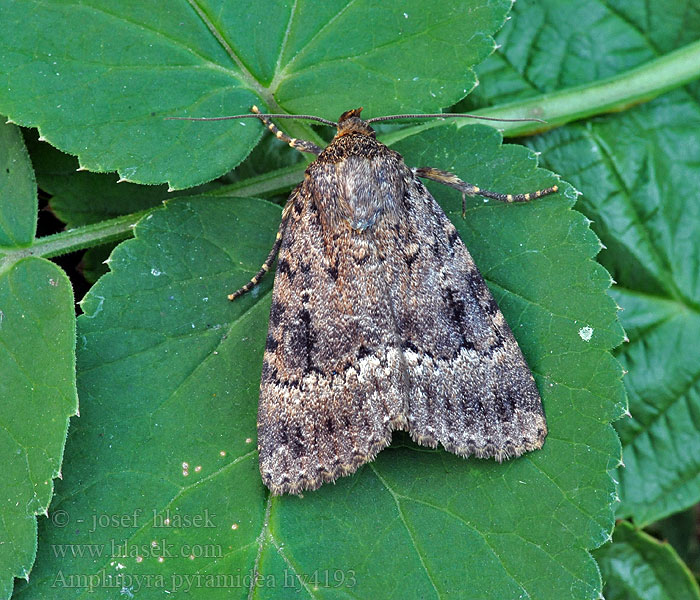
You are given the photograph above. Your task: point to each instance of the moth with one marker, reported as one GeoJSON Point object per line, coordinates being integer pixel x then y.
{"type": "Point", "coordinates": [381, 321]}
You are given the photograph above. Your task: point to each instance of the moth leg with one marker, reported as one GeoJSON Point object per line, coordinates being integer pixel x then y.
{"type": "Point", "coordinates": [301, 145]}
{"type": "Point", "coordinates": [268, 261]}
{"type": "Point", "coordinates": [469, 189]}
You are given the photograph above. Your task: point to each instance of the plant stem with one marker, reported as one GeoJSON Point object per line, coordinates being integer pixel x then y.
{"type": "Point", "coordinates": [558, 108]}
{"type": "Point", "coordinates": [79, 238]}
{"type": "Point", "coordinates": [608, 95]}
{"type": "Point", "coordinates": [613, 94]}
{"type": "Point", "coordinates": [278, 180]}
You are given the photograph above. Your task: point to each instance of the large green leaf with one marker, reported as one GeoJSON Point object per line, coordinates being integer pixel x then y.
{"type": "Point", "coordinates": [651, 235]}
{"type": "Point", "coordinates": [114, 72]}
{"type": "Point", "coordinates": [37, 365]}
{"type": "Point", "coordinates": [169, 375]}
{"type": "Point", "coordinates": [637, 172]}
{"type": "Point", "coordinates": [635, 565]}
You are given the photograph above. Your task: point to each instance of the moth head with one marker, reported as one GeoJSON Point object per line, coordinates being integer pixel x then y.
{"type": "Point", "coordinates": [350, 122]}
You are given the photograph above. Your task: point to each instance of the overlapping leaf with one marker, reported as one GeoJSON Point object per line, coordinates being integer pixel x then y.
{"type": "Point", "coordinates": [638, 566]}
{"type": "Point", "coordinates": [114, 72]}
{"type": "Point", "coordinates": [37, 365]}
{"type": "Point", "coordinates": [635, 170]}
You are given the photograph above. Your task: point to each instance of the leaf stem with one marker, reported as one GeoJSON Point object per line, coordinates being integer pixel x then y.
{"type": "Point", "coordinates": [75, 239]}
{"type": "Point", "coordinates": [276, 181]}
{"type": "Point", "coordinates": [558, 108]}
{"type": "Point", "coordinates": [613, 94]}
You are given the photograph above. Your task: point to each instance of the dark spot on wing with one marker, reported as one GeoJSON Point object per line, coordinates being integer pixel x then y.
{"type": "Point", "coordinates": [276, 312]}
{"type": "Point", "coordinates": [271, 343]}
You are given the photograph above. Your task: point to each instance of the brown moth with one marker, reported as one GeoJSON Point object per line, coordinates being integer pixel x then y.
{"type": "Point", "coordinates": [380, 320]}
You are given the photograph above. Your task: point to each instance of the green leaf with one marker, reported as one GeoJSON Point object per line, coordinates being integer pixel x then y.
{"type": "Point", "coordinates": [679, 530]}
{"type": "Point", "coordinates": [636, 565]}
{"type": "Point", "coordinates": [81, 197]}
{"type": "Point", "coordinates": [629, 175]}
{"type": "Point", "coordinates": [169, 377]}
{"type": "Point", "coordinates": [118, 72]}
{"type": "Point", "coordinates": [18, 204]}
{"type": "Point", "coordinates": [634, 169]}
{"type": "Point", "coordinates": [37, 363]}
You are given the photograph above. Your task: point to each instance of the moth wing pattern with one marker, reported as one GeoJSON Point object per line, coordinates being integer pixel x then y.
{"type": "Point", "coordinates": [380, 320]}
{"type": "Point", "coordinates": [333, 386]}
{"type": "Point", "coordinates": [470, 388]}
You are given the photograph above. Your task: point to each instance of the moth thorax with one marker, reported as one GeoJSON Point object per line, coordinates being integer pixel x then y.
{"type": "Point", "coordinates": [350, 122]}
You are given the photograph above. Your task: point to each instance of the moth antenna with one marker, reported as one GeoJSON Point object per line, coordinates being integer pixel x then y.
{"type": "Point", "coordinates": [259, 116]}
{"type": "Point", "coordinates": [449, 115]}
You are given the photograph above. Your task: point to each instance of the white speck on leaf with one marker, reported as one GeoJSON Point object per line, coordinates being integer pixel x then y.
{"type": "Point", "coordinates": [155, 272]}
{"type": "Point", "coordinates": [586, 333]}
